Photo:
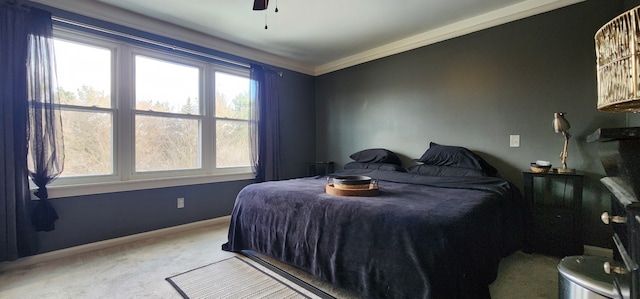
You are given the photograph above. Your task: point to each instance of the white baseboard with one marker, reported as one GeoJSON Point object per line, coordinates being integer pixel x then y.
{"type": "Point", "coordinates": [598, 251]}
{"type": "Point", "coordinates": [53, 255]}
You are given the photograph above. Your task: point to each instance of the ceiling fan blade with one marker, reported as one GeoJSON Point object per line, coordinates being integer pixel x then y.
{"type": "Point", "coordinates": [260, 4]}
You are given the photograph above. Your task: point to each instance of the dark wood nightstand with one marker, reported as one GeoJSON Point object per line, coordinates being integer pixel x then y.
{"type": "Point", "coordinates": [556, 206]}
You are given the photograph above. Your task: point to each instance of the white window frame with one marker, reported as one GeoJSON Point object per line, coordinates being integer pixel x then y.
{"type": "Point", "coordinates": [125, 178]}
{"type": "Point", "coordinates": [204, 96]}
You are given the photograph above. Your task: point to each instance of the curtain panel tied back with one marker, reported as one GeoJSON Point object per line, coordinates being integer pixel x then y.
{"type": "Point", "coordinates": [31, 138]}
{"type": "Point", "coordinates": [46, 150]}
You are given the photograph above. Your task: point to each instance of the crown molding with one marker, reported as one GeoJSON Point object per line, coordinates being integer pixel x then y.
{"type": "Point", "coordinates": [494, 18]}
{"type": "Point", "coordinates": [101, 11]}
{"type": "Point", "coordinates": [105, 12]}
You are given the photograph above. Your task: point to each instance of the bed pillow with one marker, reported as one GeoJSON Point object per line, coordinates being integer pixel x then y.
{"type": "Point", "coordinates": [379, 166]}
{"type": "Point", "coordinates": [444, 170]}
{"type": "Point", "coordinates": [376, 155]}
{"type": "Point", "coordinates": [457, 156]}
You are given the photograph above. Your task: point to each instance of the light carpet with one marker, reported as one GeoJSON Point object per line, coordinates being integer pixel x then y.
{"type": "Point", "coordinates": [138, 270]}
{"type": "Point", "coordinates": [236, 277]}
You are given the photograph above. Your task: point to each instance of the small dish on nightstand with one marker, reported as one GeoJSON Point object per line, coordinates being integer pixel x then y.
{"type": "Point", "coordinates": [540, 166]}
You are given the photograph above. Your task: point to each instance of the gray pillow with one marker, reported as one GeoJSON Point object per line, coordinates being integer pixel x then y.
{"type": "Point", "coordinates": [376, 155]}
{"type": "Point", "coordinates": [457, 156]}
{"type": "Point", "coordinates": [444, 171]}
{"type": "Point", "coordinates": [379, 166]}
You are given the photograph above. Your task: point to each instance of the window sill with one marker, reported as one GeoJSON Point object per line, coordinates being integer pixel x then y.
{"type": "Point", "coordinates": [110, 187]}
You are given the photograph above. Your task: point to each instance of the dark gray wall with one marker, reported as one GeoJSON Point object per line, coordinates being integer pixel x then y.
{"type": "Point", "coordinates": [86, 219]}
{"type": "Point", "coordinates": [629, 4]}
{"type": "Point", "coordinates": [298, 123]}
{"type": "Point", "coordinates": [475, 91]}
{"type": "Point", "coordinates": [92, 218]}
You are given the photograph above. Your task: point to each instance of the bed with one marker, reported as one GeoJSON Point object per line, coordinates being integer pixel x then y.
{"type": "Point", "coordinates": [422, 236]}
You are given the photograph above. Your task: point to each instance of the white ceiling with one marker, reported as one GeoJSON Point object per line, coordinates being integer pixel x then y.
{"type": "Point", "coordinates": [326, 35]}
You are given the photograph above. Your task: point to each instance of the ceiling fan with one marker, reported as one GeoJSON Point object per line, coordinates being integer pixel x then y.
{"type": "Point", "coordinates": [260, 4]}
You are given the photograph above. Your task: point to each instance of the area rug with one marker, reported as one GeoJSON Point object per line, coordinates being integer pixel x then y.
{"type": "Point", "coordinates": [241, 277]}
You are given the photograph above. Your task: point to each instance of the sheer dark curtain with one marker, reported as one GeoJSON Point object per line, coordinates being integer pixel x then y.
{"type": "Point", "coordinates": [19, 30]}
{"type": "Point", "coordinates": [46, 150]}
{"type": "Point", "coordinates": [265, 124]}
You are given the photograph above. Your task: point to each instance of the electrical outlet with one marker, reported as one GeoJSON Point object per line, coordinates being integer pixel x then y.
{"type": "Point", "coordinates": [514, 140]}
{"type": "Point", "coordinates": [180, 202]}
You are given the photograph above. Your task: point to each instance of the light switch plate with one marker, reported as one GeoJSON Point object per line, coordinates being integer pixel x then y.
{"type": "Point", "coordinates": [180, 202]}
{"type": "Point", "coordinates": [514, 140]}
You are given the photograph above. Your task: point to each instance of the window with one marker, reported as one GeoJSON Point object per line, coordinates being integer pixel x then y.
{"type": "Point", "coordinates": [84, 81]}
{"type": "Point", "coordinates": [167, 117]}
{"type": "Point", "coordinates": [131, 113]}
{"type": "Point", "coordinates": [232, 120]}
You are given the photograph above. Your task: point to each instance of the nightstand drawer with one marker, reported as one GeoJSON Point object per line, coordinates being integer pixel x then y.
{"type": "Point", "coordinates": [559, 222]}
{"type": "Point", "coordinates": [555, 231]}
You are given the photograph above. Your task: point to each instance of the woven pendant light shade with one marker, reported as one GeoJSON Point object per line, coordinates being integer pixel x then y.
{"type": "Point", "coordinates": [618, 61]}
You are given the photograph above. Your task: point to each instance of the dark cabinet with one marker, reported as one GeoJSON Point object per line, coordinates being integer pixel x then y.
{"type": "Point", "coordinates": [555, 200]}
{"type": "Point", "coordinates": [624, 218]}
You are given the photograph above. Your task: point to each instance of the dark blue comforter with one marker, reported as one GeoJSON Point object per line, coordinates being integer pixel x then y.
{"type": "Point", "coordinates": [421, 237]}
